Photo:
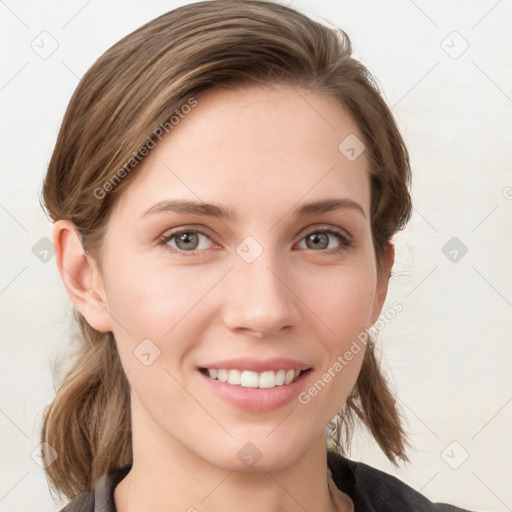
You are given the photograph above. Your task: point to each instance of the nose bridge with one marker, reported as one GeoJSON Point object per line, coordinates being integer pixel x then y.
{"type": "Point", "coordinates": [260, 299]}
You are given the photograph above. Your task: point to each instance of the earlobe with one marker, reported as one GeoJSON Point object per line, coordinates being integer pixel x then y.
{"type": "Point", "coordinates": [80, 276]}
{"type": "Point", "coordinates": [382, 285]}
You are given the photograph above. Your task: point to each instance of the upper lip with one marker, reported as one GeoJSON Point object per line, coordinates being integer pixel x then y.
{"type": "Point", "coordinates": [258, 365]}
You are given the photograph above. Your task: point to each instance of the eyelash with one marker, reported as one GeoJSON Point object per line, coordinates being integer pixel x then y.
{"type": "Point", "coordinates": [345, 242]}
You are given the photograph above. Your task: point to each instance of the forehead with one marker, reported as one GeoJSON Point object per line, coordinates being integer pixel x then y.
{"type": "Point", "coordinates": [244, 146]}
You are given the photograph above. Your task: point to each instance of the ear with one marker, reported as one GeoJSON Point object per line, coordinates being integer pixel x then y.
{"type": "Point", "coordinates": [382, 282]}
{"type": "Point", "coordinates": [81, 276]}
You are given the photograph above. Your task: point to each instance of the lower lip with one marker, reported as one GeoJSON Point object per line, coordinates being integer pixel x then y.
{"type": "Point", "coordinates": [257, 399]}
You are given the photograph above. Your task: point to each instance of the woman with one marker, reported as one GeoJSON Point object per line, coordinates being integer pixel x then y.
{"type": "Point", "coordinates": [225, 187]}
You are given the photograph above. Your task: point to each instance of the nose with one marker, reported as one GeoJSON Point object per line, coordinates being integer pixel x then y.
{"type": "Point", "coordinates": [259, 298]}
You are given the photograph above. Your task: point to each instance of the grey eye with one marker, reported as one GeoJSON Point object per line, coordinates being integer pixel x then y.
{"type": "Point", "coordinates": [317, 240]}
{"type": "Point", "coordinates": [187, 241]}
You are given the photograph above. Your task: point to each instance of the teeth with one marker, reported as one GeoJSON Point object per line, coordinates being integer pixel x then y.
{"type": "Point", "coordinates": [267, 380]}
{"type": "Point", "coordinates": [248, 379]}
{"type": "Point", "coordinates": [280, 377]}
{"type": "Point", "coordinates": [234, 377]}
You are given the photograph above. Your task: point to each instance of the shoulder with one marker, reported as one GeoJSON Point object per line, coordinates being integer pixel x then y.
{"type": "Point", "coordinates": [373, 490]}
{"type": "Point", "coordinates": [101, 498]}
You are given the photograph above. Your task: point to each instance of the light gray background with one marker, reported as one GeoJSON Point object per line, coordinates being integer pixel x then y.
{"type": "Point", "coordinates": [448, 352]}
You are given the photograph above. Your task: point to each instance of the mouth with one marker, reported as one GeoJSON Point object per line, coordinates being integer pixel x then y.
{"type": "Point", "coordinates": [250, 379]}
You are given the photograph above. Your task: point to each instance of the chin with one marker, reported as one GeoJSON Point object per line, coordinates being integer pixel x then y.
{"type": "Point", "coordinates": [249, 454]}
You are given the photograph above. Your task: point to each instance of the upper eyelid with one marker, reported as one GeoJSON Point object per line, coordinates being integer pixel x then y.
{"type": "Point", "coordinates": [169, 233]}
{"type": "Point", "coordinates": [325, 227]}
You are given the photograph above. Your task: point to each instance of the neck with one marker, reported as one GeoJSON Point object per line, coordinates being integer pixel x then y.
{"type": "Point", "coordinates": [167, 476]}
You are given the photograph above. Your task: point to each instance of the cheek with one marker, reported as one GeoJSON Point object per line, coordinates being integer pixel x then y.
{"type": "Point", "coordinates": [343, 300]}
{"type": "Point", "coordinates": [345, 309]}
{"type": "Point", "coordinates": [148, 300]}
{"type": "Point", "coordinates": [154, 311]}
{"type": "Point", "coordinates": [159, 316]}
{"type": "Point", "coordinates": [344, 306]}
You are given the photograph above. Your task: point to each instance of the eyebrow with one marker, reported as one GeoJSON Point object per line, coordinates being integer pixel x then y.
{"type": "Point", "coordinates": [212, 210]}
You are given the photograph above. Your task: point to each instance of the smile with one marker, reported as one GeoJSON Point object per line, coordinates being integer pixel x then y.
{"type": "Point", "coordinates": [250, 379]}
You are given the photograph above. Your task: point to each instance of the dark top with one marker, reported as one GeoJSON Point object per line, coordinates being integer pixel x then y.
{"type": "Point", "coordinates": [371, 490]}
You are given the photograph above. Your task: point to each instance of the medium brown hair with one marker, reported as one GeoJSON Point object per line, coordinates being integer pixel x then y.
{"type": "Point", "coordinates": [133, 89]}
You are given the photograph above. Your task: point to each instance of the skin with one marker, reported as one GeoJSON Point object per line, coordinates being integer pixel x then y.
{"type": "Point", "coordinates": [262, 152]}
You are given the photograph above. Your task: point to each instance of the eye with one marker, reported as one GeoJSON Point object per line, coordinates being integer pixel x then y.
{"type": "Point", "coordinates": [319, 238]}
{"type": "Point", "coordinates": [182, 241]}
{"type": "Point", "coordinates": [185, 240]}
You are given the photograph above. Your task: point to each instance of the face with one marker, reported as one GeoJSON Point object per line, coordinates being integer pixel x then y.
{"type": "Point", "coordinates": [255, 281]}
